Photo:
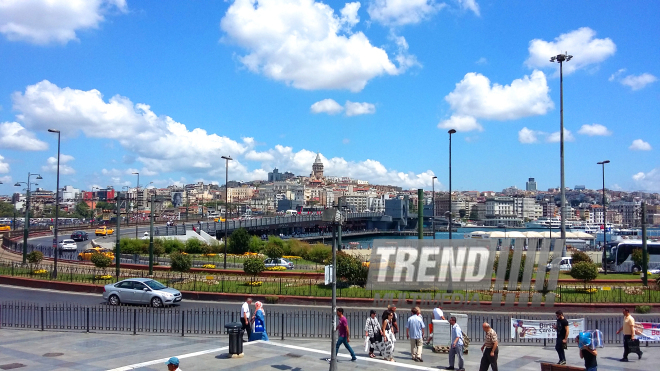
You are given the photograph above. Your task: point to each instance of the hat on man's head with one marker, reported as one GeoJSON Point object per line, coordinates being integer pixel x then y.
{"type": "Point", "coordinates": [173, 361]}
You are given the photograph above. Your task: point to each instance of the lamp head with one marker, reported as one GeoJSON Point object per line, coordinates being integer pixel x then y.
{"type": "Point", "coordinates": [136, 173]}
{"type": "Point", "coordinates": [452, 131]}
{"type": "Point", "coordinates": [435, 177]}
{"type": "Point", "coordinates": [39, 177]}
{"type": "Point", "coordinates": [17, 184]}
{"type": "Point", "coordinates": [53, 131]}
{"type": "Point", "coordinates": [227, 158]}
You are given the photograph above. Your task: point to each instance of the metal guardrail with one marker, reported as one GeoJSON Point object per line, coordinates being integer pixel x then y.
{"type": "Point", "coordinates": [279, 324]}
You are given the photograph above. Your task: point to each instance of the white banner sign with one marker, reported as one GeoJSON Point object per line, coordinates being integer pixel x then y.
{"type": "Point", "coordinates": [542, 329]}
{"type": "Point", "coordinates": [649, 331]}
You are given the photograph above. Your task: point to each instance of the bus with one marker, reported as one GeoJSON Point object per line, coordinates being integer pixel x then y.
{"type": "Point", "coordinates": [618, 255]}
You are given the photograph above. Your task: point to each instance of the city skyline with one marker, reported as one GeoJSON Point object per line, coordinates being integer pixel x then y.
{"type": "Point", "coordinates": [373, 87]}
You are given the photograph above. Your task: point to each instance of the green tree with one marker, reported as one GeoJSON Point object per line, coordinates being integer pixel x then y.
{"type": "Point", "coordinates": [509, 261]}
{"type": "Point", "coordinates": [193, 246]}
{"type": "Point", "coordinates": [273, 250]}
{"type": "Point", "coordinates": [637, 256]}
{"type": "Point", "coordinates": [474, 214]}
{"type": "Point", "coordinates": [239, 241]}
{"type": "Point", "coordinates": [81, 210]}
{"type": "Point", "coordinates": [580, 256]}
{"type": "Point", "coordinates": [253, 266]}
{"type": "Point", "coordinates": [319, 253]}
{"type": "Point", "coordinates": [103, 205]}
{"type": "Point", "coordinates": [6, 209]}
{"type": "Point", "coordinates": [180, 262]}
{"type": "Point", "coordinates": [256, 244]}
{"type": "Point", "coordinates": [35, 257]}
{"type": "Point", "coordinates": [584, 271]}
{"type": "Point", "coordinates": [350, 269]}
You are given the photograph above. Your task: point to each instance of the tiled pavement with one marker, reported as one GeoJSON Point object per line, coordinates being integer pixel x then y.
{"type": "Point", "coordinates": [33, 350]}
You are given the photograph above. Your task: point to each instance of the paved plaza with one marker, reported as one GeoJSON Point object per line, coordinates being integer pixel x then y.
{"type": "Point", "coordinates": [34, 350]}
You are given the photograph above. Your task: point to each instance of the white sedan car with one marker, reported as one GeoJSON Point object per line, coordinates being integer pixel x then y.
{"type": "Point", "coordinates": [68, 244]}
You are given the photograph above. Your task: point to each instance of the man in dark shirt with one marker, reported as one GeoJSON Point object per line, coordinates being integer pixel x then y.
{"type": "Point", "coordinates": [562, 337]}
{"type": "Point", "coordinates": [589, 356]}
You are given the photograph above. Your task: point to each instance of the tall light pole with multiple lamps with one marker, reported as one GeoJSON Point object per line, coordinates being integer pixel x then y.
{"type": "Point", "coordinates": [137, 204]}
{"type": "Point", "coordinates": [561, 58]}
{"type": "Point", "coordinates": [433, 202]}
{"type": "Point", "coordinates": [26, 224]}
{"type": "Point", "coordinates": [451, 131]}
{"type": "Point", "coordinates": [604, 217]}
{"type": "Point", "coordinates": [57, 204]}
{"type": "Point", "coordinates": [227, 159]}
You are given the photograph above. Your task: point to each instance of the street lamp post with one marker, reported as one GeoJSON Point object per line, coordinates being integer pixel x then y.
{"type": "Point", "coordinates": [561, 58]}
{"type": "Point", "coordinates": [137, 195]}
{"type": "Point", "coordinates": [451, 131]}
{"type": "Point", "coordinates": [26, 224]}
{"type": "Point", "coordinates": [433, 202]}
{"type": "Point", "coordinates": [604, 217]}
{"type": "Point", "coordinates": [227, 159]}
{"type": "Point", "coordinates": [57, 203]}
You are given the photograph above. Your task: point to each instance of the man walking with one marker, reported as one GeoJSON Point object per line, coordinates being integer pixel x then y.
{"type": "Point", "coordinates": [456, 345]}
{"type": "Point", "coordinates": [415, 332]}
{"type": "Point", "coordinates": [437, 315]}
{"type": "Point", "coordinates": [628, 335]}
{"type": "Point", "coordinates": [489, 357]}
{"type": "Point", "coordinates": [562, 337]}
{"type": "Point", "coordinates": [342, 328]}
{"type": "Point", "coordinates": [245, 317]}
{"type": "Point", "coordinates": [173, 364]}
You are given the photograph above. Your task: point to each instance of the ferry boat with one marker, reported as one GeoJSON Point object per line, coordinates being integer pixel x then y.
{"type": "Point", "coordinates": [545, 222]}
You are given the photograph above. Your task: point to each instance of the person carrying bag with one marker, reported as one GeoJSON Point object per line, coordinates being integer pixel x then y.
{"type": "Point", "coordinates": [373, 333]}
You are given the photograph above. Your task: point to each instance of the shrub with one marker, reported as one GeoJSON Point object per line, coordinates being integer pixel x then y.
{"type": "Point", "coordinates": [584, 271]}
{"type": "Point", "coordinates": [193, 246]}
{"type": "Point", "coordinates": [255, 244]}
{"type": "Point", "coordinates": [134, 246]}
{"type": "Point", "coordinates": [319, 253]}
{"type": "Point", "coordinates": [509, 260]}
{"type": "Point", "coordinates": [581, 256]}
{"type": "Point", "coordinates": [239, 241]}
{"type": "Point", "coordinates": [173, 245]}
{"type": "Point", "coordinates": [253, 266]}
{"type": "Point", "coordinates": [272, 299]}
{"type": "Point", "coordinates": [300, 248]}
{"type": "Point", "coordinates": [350, 269]}
{"type": "Point", "coordinates": [180, 262]}
{"type": "Point", "coordinates": [35, 257]}
{"type": "Point", "coordinates": [273, 249]}
{"type": "Point", "coordinates": [206, 249]}
{"type": "Point", "coordinates": [101, 260]}
{"type": "Point", "coordinates": [637, 256]}
{"type": "Point", "coordinates": [159, 247]}
{"type": "Point", "coordinates": [642, 309]}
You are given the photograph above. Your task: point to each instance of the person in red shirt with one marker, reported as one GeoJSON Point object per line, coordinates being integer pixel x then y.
{"type": "Point", "coordinates": [342, 328]}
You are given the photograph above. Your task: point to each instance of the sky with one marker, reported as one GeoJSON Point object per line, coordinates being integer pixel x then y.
{"type": "Point", "coordinates": [165, 88]}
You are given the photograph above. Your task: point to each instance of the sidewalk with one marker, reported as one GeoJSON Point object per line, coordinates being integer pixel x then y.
{"type": "Point", "coordinates": [34, 350]}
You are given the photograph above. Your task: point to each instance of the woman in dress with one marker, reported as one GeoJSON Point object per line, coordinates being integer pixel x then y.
{"type": "Point", "coordinates": [259, 319]}
{"type": "Point", "coordinates": [386, 347]}
{"type": "Point", "coordinates": [371, 330]}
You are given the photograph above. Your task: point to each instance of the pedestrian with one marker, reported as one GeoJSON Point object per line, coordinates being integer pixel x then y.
{"type": "Point", "coordinates": [259, 319]}
{"type": "Point", "coordinates": [586, 353]}
{"type": "Point", "coordinates": [456, 345]}
{"type": "Point", "coordinates": [395, 317]}
{"type": "Point", "coordinates": [490, 349]}
{"type": "Point", "coordinates": [629, 336]}
{"type": "Point", "coordinates": [342, 328]}
{"type": "Point", "coordinates": [562, 337]}
{"type": "Point", "coordinates": [415, 332]}
{"type": "Point", "coordinates": [438, 315]}
{"type": "Point", "coordinates": [245, 317]}
{"type": "Point", "coordinates": [173, 364]}
{"type": "Point", "coordinates": [386, 347]}
{"type": "Point", "coordinates": [372, 331]}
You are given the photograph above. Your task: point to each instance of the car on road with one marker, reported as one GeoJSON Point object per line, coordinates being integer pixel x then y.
{"type": "Point", "coordinates": [278, 262]}
{"type": "Point", "coordinates": [68, 245]}
{"type": "Point", "coordinates": [565, 265]}
{"type": "Point", "coordinates": [103, 231]}
{"type": "Point", "coordinates": [87, 254]}
{"type": "Point", "coordinates": [141, 291]}
{"type": "Point", "coordinates": [5, 228]}
{"type": "Point", "coordinates": [79, 236]}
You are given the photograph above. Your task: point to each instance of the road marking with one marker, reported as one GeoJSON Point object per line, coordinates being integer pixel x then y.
{"type": "Point", "coordinates": [163, 360]}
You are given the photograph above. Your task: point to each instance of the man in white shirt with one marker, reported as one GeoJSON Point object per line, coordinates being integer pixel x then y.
{"type": "Point", "coordinates": [245, 317]}
{"type": "Point", "coordinates": [437, 315]}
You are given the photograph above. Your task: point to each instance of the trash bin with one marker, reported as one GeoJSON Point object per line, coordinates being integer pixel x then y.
{"type": "Point", "coordinates": [234, 329]}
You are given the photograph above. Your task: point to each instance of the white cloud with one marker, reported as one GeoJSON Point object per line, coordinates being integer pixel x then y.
{"type": "Point", "coordinates": [51, 165]}
{"type": "Point", "coordinates": [303, 43]}
{"type": "Point", "coordinates": [481, 61]}
{"type": "Point", "coordinates": [461, 123]}
{"type": "Point", "coordinates": [470, 5]}
{"type": "Point", "coordinates": [640, 145]}
{"type": "Point", "coordinates": [639, 81]}
{"type": "Point", "coordinates": [527, 136]}
{"type": "Point", "coordinates": [329, 106]}
{"type": "Point", "coordinates": [581, 43]}
{"type": "Point", "coordinates": [6, 179]}
{"type": "Point", "coordinates": [14, 136]}
{"type": "Point", "coordinates": [259, 156]}
{"type": "Point", "coordinates": [475, 98]}
{"type": "Point", "coordinates": [649, 182]}
{"type": "Point", "coordinates": [349, 14]}
{"type": "Point", "coordinates": [356, 108]}
{"type": "Point", "coordinates": [402, 12]}
{"type": "Point", "coordinates": [4, 167]}
{"type": "Point", "coordinates": [555, 137]}
{"type": "Point", "coordinates": [46, 21]}
{"type": "Point", "coordinates": [616, 74]}
{"type": "Point", "coordinates": [594, 130]}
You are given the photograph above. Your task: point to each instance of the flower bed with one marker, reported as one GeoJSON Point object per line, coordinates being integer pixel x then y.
{"type": "Point", "coordinates": [103, 277]}
{"type": "Point", "coordinates": [276, 268]}
{"type": "Point", "coordinates": [634, 290]}
{"type": "Point", "coordinates": [40, 271]}
{"type": "Point", "coordinates": [209, 255]}
{"type": "Point", "coordinates": [254, 283]}
{"type": "Point", "coordinates": [208, 266]}
{"type": "Point", "coordinates": [292, 257]}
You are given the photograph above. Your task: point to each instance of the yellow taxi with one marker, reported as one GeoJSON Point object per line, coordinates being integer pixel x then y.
{"type": "Point", "coordinates": [219, 220]}
{"type": "Point", "coordinates": [87, 254]}
{"type": "Point", "coordinates": [103, 231]}
{"type": "Point", "coordinates": [5, 228]}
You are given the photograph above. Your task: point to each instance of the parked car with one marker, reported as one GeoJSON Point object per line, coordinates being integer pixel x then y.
{"type": "Point", "coordinates": [79, 236]}
{"type": "Point", "coordinates": [87, 254]}
{"type": "Point", "coordinates": [5, 228]}
{"type": "Point", "coordinates": [68, 245]}
{"type": "Point", "coordinates": [141, 291]}
{"type": "Point", "coordinates": [564, 265]}
{"type": "Point", "coordinates": [278, 262]}
{"type": "Point", "coordinates": [103, 231]}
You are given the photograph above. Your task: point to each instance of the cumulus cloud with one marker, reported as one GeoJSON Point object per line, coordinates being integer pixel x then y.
{"type": "Point", "coordinates": [4, 167]}
{"type": "Point", "coordinates": [403, 12]}
{"type": "Point", "coordinates": [65, 169]}
{"type": "Point", "coordinates": [470, 5]}
{"type": "Point", "coordinates": [356, 108]}
{"type": "Point", "coordinates": [474, 98]}
{"type": "Point", "coordinates": [14, 136]}
{"type": "Point", "coordinates": [53, 21]}
{"type": "Point", "coordinates": [640, 145]}
{"type": "Point", "coordinates": [616, 74]}
{"type": "Point", "coordinates": [594, 130]}
{"type": "Point", "coordinates": [587, 50]}
{"type": "Point", "coordinates": [649, 182]}
{"type": "Point", "coordinates": [555, 137]}
{"type": "Point", "coordinates": [527, 136]}
{"type": "Point", "coordinates": [329, 106]}
{"type": "Point", "coordinates": [639, 81]}
{"type": "Point", "coordinates": [305, 44]}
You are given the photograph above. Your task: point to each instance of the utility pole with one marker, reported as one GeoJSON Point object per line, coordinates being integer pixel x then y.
{"type": "Point", "coordinates": [117, 244]}
{"type": "Point", "coordinates": [645, 258]}
{"type": "Point", "coordinates": [151, 237]}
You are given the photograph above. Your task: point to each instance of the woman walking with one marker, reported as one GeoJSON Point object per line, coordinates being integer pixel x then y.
{"type": "Point", "coordinates": [386, 347]}
{"type": "Point", "coordinates": [259, 319]}
{"type": "Point", "coordinates": [373, 332]}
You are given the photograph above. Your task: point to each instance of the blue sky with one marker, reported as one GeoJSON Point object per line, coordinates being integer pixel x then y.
{"type": "Point", "coordinates": [166, 87]}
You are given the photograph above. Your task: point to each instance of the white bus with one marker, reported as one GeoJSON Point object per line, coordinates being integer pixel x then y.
{"type": "Point", "coordinates": [618, 255]}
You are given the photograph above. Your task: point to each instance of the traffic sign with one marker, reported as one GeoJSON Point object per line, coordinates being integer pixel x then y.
{"type": "Point", "coordinates": [54, 243]}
